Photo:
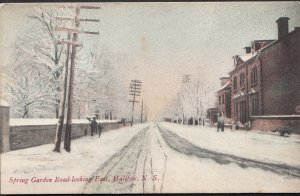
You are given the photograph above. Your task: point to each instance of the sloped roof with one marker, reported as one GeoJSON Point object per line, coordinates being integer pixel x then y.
{"type": "Point", "coordinates": [224, 86]}
{"type": "Point", "coordinates": [247, 57]}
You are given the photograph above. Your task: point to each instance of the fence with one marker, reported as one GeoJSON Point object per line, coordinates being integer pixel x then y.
{"type": "Point", "coordinates": [269, 123]}
{"type": "Point", "coordinates": [24, 133]}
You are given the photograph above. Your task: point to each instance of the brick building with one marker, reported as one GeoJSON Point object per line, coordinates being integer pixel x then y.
{"type": "Point", "coordinates": [266, 79]}
{"type": "Point", "coordinates": [224, 97]}
{"type": "Point", "coordinates": [212, 115]}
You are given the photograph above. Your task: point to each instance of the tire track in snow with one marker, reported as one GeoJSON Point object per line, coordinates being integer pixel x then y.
{"type": "Point", "coordinates": [165, 159]}
{"type": "Point", "coordinates": [136, 159]}
{"type": "Point", "coordinates": [121, 160]}
{"type": "Point", "coordinates": [184, 146]}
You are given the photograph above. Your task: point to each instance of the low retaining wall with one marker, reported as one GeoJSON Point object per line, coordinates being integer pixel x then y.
{"type": "Point", "coordinates": [25, 136]}
{"type": "Point", "coordinates": [269, 123]}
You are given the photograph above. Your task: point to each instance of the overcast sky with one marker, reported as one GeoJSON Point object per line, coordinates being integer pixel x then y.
{"type": "Point", "coordinates": [158, 42]}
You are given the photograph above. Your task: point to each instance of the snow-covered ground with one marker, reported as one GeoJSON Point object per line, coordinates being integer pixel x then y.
{"type": "Point", "coordinates": [87, 154]}
{"type": "Point", "coordinates": [189, 174]}
{"type": "Point", "coordinates": [142, 150]}
{"type": "Point", "coordinates": [255, 145]}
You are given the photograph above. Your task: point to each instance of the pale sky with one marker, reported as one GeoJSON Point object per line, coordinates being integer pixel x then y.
{"type": "Point", "coordinates": [158, 42]}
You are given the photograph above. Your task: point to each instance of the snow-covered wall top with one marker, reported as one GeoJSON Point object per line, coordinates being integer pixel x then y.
{"type": "Point", "coordinates": [3, 103]}
{"type": "Point", "coordinates": [46, 121]}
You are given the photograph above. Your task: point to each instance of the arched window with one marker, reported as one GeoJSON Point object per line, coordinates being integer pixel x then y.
{"type": "Point", "coordinates": [254, 75]}
{"type": "Point", "coordinates": [234, 83]}
{"type": "Point", "coordinates": [242, 80]}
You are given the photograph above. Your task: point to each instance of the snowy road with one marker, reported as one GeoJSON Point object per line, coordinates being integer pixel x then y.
{"type": "Point", "coordinates": [158, 160]}
{"type": "Point", "coordinates": [134, 168]}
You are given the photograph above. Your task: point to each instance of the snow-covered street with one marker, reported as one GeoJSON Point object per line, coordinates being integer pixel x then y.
{"type": "Point", "coordinates": [158, 157]}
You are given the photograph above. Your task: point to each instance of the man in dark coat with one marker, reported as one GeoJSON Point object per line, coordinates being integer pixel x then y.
{"type": "Point", "coordinates": [221, 123]}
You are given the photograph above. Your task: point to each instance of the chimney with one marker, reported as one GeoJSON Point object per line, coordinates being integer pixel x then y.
{"type": "Point", "coordinates": [248, 49]}
{"type": "Point", "coordinates": [235, 59]}
{"type": "Point", "coordinates": [283, 27]}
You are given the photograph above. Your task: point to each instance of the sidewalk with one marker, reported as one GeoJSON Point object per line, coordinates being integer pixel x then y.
{"type": "Point", "coordinates": [247, 144]}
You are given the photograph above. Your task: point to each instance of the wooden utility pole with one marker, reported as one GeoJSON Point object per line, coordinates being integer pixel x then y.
{"type": "Point", "coordinates": [186, 78]}
{"type": "Point", "coordinates": [146, 111]}
{"type": "Point", "coordinates": [69, 96]}
{"type": "Point", "coordinates": [142, 111]}
{"type": "Point", "coordinates": [59, 127]}
{"type": "Point", "coordinates": [135, 90]}
{"type": "Point", "coordinates": [67, 143]}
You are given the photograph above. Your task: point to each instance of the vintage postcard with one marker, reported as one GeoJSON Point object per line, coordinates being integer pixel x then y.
{"type": "Point", "coordinates": [150, 97]}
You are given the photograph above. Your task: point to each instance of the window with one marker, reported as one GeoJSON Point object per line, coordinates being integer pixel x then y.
{"type": "Point", "coordinates": [254, 75]}
{"type": "Point", "coordinates": [255, 106]}
{"type": "Point", "coordinates": [236, 108]}
{"type": "Point", "coordinates": [243, 112]}
{"type": "Point", "coordinates": [242, 80]}
{"type": "Point", "coordinates": [234, 83]}
{"type": "Point", "coordinates": [223, 98]}
{"type": "Point", "coordinates": [220, 100]}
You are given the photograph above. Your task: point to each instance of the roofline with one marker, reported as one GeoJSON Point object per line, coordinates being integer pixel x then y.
{"type": "Point", "coordinates": [265, 47]}
{"type": "Point", "coordinates": [258, 40]}
{"type": "Point", "coordinates": [225, 89]}
{"type": "Point", "coordinates": [225, 77]}
{"type": "Point", "coordinates": [282, 18]}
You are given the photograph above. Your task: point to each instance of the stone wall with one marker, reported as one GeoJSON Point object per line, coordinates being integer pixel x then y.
{"type": "Point", "coordinates": [269, 123]}
{"type": "Point", "coordinates": [4, 126]}
{"type": "Point", "coordinates": [33, 135]}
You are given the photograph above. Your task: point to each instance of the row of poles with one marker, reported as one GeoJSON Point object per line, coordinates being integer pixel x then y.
{"type": "Point", "coordinates": [66, 100]}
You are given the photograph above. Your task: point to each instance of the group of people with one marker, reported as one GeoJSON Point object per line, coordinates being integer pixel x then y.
{"type": "Point", "coordinates": [221, 122]}
{"type": "Point", "coordinates": [95, 127]}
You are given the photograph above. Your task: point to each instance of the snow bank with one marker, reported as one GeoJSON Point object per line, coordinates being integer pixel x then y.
{"type": "Point", "coordinates": [247, 144]}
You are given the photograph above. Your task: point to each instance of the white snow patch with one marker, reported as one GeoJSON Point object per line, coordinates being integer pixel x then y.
{"type": "Point", "coordinates": [4, 103]}
{"type": "Point", "coordinates": [247, 57]}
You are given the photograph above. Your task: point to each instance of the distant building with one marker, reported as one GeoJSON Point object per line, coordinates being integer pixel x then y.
{"type": "Point", "coordinates": [224, 97]}
{"type": "Point", "coordinates": [266, 80]}
{"type": "Point", "coordinates": [212, 115]}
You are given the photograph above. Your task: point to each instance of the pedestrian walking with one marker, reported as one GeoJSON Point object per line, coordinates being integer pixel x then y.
{"type": "Point", "coordinates": [95, 127]}
{"type": "Point", "coordinates": [220, 123]}
{"type": "Point", "coordinates": [100, 128]}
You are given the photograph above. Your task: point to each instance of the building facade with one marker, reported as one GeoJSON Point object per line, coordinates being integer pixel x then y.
{"type": "Point", "coordinates": [266, 80]}
{"type": "Point", "coordinates": [224, 97]}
